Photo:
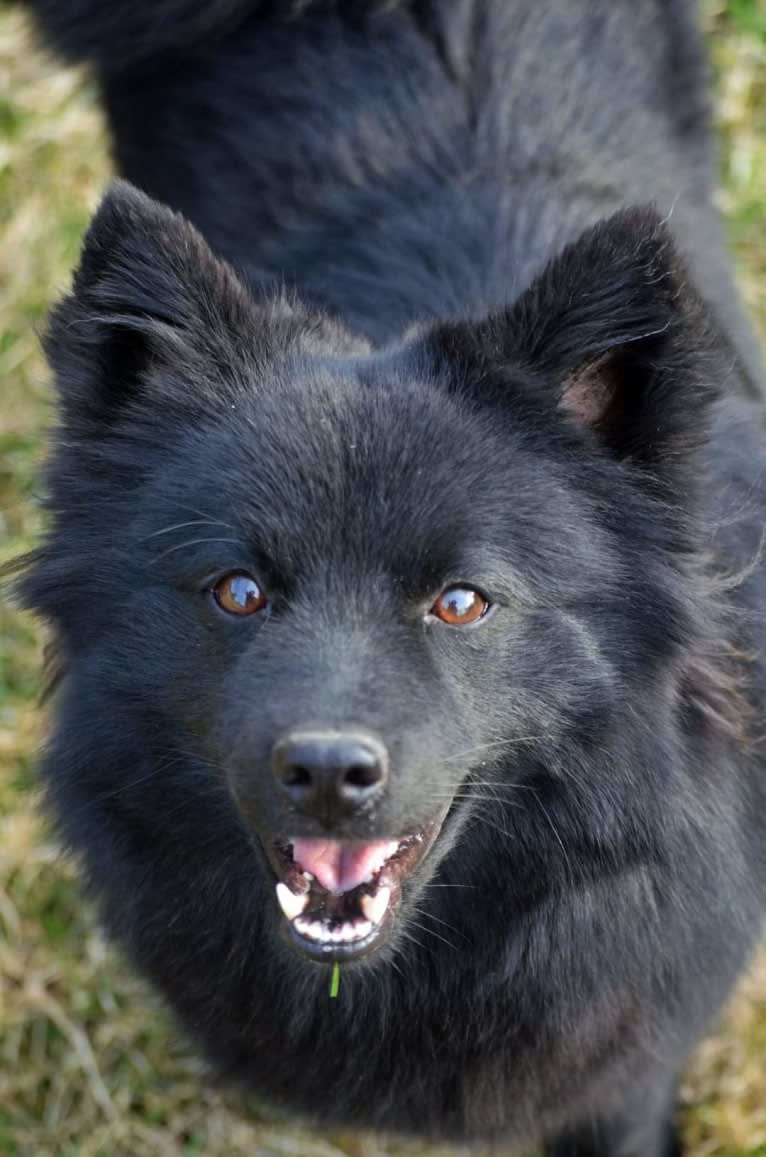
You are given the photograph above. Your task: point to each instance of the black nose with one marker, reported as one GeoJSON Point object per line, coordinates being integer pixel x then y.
{"type": "Point", "coordinates": [330, 774]}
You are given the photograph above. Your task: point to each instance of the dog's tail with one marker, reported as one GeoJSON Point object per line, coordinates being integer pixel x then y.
{"type": "Point", "coordinates": [115, 34]}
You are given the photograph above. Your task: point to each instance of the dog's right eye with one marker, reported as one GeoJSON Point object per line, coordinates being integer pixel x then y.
{"type": "Point", "coordinates": [239, 594]}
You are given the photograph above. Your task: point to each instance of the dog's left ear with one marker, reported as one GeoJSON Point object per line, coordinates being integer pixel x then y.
{"type": "Point", "coordinates": [613, 335]}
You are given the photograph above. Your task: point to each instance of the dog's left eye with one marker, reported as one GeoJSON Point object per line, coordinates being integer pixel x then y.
{"type": "Point", "coordinates": [460, 606]}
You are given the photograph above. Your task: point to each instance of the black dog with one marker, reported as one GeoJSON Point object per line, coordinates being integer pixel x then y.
{"type": "Point", "coordinates": [413, 624]}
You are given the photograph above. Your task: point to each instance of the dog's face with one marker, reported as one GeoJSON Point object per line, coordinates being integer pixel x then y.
{"type": "Point", "coordinates": [347, 594]}
{"type": "Point", "coordinates": [362, 591]}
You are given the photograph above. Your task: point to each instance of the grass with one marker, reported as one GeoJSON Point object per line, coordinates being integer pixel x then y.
{"type": "Point", "coordinates": [89, 1065]}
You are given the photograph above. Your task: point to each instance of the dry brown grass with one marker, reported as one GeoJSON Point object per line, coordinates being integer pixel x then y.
{"type": "Point", "coordinates": [88, 1063]}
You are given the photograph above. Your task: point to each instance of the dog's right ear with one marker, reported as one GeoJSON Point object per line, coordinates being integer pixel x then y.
{"type": "Point", "coordinates": [153, 314]}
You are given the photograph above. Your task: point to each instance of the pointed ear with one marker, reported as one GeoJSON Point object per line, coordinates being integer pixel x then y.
{"type": "Point", "coordinates": [612, 334]}
{"type": "Point", "coordinates": [149, 296]}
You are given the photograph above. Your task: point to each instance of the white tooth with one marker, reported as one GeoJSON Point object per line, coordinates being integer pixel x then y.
{"type": "Point", "coordinates": [316, 931]}
{"type": "Point", "coordinates": [374, 906]}
{"type": "Point", "coordinates": [290, 904]}
{"type": "Point", "coordinates": [387, 853]}
{"type": "Point", "coordinates": [341, 934]}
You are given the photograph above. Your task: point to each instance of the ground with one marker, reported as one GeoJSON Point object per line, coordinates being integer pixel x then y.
{"type": "Point", "coordinates": [89, 1064]}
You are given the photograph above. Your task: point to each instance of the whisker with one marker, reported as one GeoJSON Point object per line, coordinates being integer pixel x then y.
{"type": "Point", "coordinates": [430, 916]}
{"type": "Point", "coordinates": [195, 542]}
{"type": "Point", "coordinates": [574, 777]}
{"type": "Point", "coordinates": [493, 743]}
{"type": "Point", "coordinates": [558, 837]}
{"type": "Point", "coordinates": [431, 932]}
{"type": "Point", "coordinates": [193, 522]}
{"type": "Point", "coordinates": [154, 772]}
{"type": "Point", "coordinates": [434, 885]}
{"type": "Point", "coordinates": [495, 827]}
{"type": "Point", "coordinates": [499, 783]}
{"type": "Point", "coordinates": [467, 793]}
{"type": "Point", "coordinates": [482, 799]}
{"type": "Point", "coordinates": [408, 935]}
{"type": "Point", "coordinates": [392, 961]}
{"type": "Point", "coordinates": [187, 508]}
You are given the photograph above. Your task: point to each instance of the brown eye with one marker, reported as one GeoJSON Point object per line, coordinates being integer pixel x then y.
{"type": "Point", "coordinates": [459, 606]}
{"type": "Point", "coordinates": [239, 594]}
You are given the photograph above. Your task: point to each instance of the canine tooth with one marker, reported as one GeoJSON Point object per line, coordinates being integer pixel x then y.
{"type": "Point", "coordinates": [291, 904]}
{"type": "Point", "coordinates": [374, 906]}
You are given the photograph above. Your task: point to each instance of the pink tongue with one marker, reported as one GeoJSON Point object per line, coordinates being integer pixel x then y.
{"type": "Point", "coordinates": [339, 866]}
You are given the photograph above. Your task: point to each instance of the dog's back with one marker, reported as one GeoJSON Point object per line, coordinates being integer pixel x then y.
{"type": "Point", "coordinates": [399, 162]}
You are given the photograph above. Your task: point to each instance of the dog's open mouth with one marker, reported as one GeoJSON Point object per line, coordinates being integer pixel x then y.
{"type": "Point", "coordinates": [339, 898]}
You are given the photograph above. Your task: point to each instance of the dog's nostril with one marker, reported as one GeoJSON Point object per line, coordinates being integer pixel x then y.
{"type": "Point", "coordinates": [363, 775]}
{"type": "Point", "coordinates": [296, 776]}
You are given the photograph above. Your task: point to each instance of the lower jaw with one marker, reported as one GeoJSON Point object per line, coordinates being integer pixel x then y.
{"type": "Point", "coordinates": [338, 953]}
{"type": "Point", "coordinates": [390, 877]}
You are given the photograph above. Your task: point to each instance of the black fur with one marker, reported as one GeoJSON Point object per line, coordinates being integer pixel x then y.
{"type": "Point", "coordinates": [492, 372]}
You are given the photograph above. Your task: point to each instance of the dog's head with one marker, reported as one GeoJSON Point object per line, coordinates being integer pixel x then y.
{"type": "Point", "coordinates": [362, 593]}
